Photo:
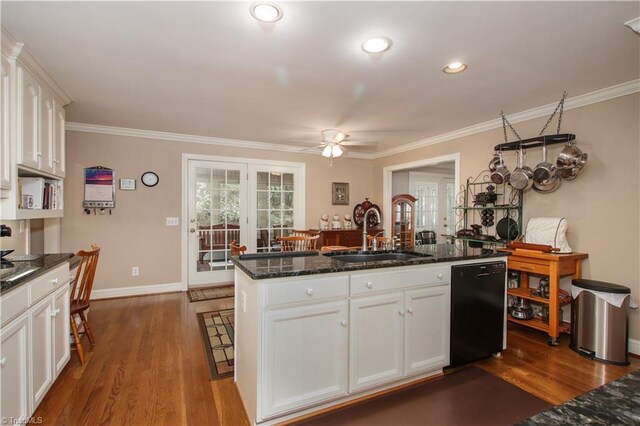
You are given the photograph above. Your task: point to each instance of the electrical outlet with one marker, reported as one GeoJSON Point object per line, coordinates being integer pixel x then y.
{"type": "Point", "coordinates": [173, 221]}
{"type": "Point", "coordinates": [135, 271]}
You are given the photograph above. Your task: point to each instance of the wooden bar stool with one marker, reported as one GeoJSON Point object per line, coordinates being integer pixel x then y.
{"type": "Point", "coordinates": [81, 293]}
{"type": "Point", "coordinates": [236, 248]}
{"type": "Point", "coordinates": [298, 243]}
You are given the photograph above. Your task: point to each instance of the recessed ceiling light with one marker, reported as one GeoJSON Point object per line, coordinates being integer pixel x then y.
{"type": "Point", "coordinates": [266, 12]}
{"type": "Point", "coordinates": [377, 45]}
{"type": "Point", "coordinates": [454, 67]}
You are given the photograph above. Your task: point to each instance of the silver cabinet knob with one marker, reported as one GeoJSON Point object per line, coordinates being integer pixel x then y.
{"type": "Point", "coordinates": [343, 323]}
{"type": "Point", "coordinates": [3, 361]}
{"type": "Point", "coordinates": [309, 292]}
{"type": "Point", "coordinates": [440, 276]}
{"type": "Point", "coordinates": [410, 310]}
{"type": "Point", "coordinates": [401, 313]}
{"type": "Point", "coordinates": [369, 284]}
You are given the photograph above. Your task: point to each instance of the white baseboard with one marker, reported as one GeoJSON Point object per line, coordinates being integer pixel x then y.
{"type": "Point", "coordinates": [139, 290]}
{"type": "Point", "coordinates": [634, 346]}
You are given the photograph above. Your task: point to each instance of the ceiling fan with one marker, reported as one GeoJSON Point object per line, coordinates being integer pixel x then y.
{"type": "Point", "coordinates": [334, 143]}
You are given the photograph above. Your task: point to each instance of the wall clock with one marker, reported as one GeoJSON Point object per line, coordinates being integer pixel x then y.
{"type": "Point", "coordinates": [361, 209]}
{"type": "Point", "coordinates": [150, 179]}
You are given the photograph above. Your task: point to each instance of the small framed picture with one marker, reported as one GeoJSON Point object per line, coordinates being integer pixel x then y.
{"type": "Point", "coordinates": [127, 184]}
{"type": "Point", "coordinates": [340, 193]}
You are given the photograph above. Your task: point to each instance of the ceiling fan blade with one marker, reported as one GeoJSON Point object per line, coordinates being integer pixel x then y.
{"type": "Point", "coordinates": [314, 148]}
{"type": "Point", "coordinates": [359, 143]}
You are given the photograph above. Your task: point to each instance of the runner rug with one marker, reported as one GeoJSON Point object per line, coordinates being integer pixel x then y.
{"type": "Point", "coordinates": [469, 396]}
{"type": "Point", "coordinates": [217, 334]}
{"type": "Point", "coordinates": [210, 293]}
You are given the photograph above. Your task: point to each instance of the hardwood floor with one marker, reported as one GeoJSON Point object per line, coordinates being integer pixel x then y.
{"type": "Point", "coordinates": [149, 367]}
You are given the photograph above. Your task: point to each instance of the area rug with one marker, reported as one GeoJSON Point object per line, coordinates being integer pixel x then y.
{"type": "Point", "coordinates": [217, 335]}
{"type": "Point", "coordinates": [469, 396]}
{"type": "Point", "coordinates": [210, 293]}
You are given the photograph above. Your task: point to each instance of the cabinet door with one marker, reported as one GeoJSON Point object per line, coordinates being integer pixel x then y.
{"type": "Point", "coordinates": [5, 127]}
{"type": "Point", "coordinates": [376, 343]}
{"type": "Point", "coordinates": [47, 119]}
{"type": "Point", "coordinates": [59, 140]}
{"type": "Point", "coordinates": [61, 329]}
{"type": "Point", "coordinates": [426, 329]}
{"type": "Point", "coordinates": [41, 346]}
{"type": "Point", "coordinates": [14, 370]}
{"type": "Point", "coordinates": [305, 356]}
{"type": "Point", "coordinates": [28, 126]}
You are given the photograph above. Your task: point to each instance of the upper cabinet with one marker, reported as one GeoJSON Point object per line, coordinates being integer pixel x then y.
{"type": "Point", "coordinates": [32, 135]}
{"type": "Point", "coordinates": [6, 115]}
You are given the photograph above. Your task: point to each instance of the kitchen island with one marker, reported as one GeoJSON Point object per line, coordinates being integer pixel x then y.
{"type": "Point", "coordinates": [315, 331]}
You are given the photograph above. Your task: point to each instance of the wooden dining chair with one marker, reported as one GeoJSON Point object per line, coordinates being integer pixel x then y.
{"type": "Point", "coordinates": [80, 295]}
{"type": "Point", "coordinates": [236, 248]}
{"type": "Point", "coordinates": [298, 243]}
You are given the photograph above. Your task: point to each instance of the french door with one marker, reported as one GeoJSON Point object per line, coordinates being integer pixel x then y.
{"type": "Point", "coordinates": [217, 198]}
{"type": "Point", "coordinates": [246, 201]}
{"type": "Point", "coordinates": [435, 202]}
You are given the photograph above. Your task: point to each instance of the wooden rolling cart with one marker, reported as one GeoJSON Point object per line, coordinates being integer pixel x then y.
{"type": "Point", "coordinates": [554, 266]}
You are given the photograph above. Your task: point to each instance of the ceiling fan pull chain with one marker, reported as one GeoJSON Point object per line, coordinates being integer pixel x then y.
{"type": "Point", "coordinates": [559, 107]}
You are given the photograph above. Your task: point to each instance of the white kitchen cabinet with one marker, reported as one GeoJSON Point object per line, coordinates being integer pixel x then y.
{"type": "Point", "coordinates": [41, 349]}
{"type": "Point", "coordinates": [61, 329]}
{"type": "Point", "coordinates": [59, 140]}
{"type": "Point", "coordinates": [305, 358]}
{"type": "Point", "coordinates": [35, 343]}
{"type": "Point", "coordinates": [427, 329]}
{"type": "Point", "coordinates": [398, 334]}
{"type": "Point", "coordinates": [14, 369]}
{"type": "Point", "coordinates": [6, 116]}
{"type": "Point", "coordinates": [376, 344]}
{"type": "Point", "coordinates": [28, 119]}
{"type": "Point", "coordinates": [33, 130]}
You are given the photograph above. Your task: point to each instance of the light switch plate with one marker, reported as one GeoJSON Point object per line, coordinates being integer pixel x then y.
{"type": "Point", "coordinates": [173, 221]}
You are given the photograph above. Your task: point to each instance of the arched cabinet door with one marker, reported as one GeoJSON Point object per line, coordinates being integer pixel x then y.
{"type": "Point", "coordinates": [403, 220]}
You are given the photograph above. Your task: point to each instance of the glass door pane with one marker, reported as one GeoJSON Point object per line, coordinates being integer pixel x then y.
{"type": "Point", "coordinates": [275, 208]}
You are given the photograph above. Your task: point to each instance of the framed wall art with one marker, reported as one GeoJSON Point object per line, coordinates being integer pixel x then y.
{"type": "Point", "coordinates": [340, 193]}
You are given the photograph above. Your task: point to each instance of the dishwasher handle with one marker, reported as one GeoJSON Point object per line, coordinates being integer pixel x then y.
{"type": "Point", "coordinates": [482, 275]}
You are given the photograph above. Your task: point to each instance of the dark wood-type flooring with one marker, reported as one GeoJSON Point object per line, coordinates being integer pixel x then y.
{"type": "Point", "coordinates": [149, 367]}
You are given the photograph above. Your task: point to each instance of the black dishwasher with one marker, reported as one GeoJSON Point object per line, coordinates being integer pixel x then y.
{"type": "Point", "coordinates": [478, 293]}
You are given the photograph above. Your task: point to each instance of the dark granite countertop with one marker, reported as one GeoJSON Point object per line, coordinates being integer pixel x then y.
{"type": "Point", "coordinates": [616, 403]}
{"type": "Point", "coordinates": [13, 274]}
{"type": "Point", "coordinates": [277, 265]}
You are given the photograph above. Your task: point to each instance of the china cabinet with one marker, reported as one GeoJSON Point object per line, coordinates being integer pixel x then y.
{"type": "Point", "coordinates": [403, 221]}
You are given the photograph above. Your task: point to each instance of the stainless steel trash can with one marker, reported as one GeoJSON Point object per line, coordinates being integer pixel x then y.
{"type": "Point", "coordinates": [600, 328]}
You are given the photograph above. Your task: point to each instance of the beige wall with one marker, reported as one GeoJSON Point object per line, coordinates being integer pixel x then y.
{"type": "Point", "coordinates": [136, 235]}
{"type": "Point", "coordinates": [17, 241]}
{"type": "Point", "coordinates": [601, 205]}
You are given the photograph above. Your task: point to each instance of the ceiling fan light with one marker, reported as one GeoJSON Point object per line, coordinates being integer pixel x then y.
{"type": "Point", "coordinates": [336, 151]}
{"type": "Point", "coordinates": [326, 152]}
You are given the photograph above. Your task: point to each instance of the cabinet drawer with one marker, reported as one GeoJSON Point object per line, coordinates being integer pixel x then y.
{"type": "Point", "coordinates": [13, 303]}
{"type": "Point", "coordinates": [48, 283]}
{"type": "Point", "coordinates": [393, 280]}
{"type": "Point", "coordinates": [528, 267]}
{"type": "Point", "coordinates": [306, 290]}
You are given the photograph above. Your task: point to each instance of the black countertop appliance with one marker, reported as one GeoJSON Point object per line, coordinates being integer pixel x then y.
{"type": "Point", "coordinates": [478, 312]}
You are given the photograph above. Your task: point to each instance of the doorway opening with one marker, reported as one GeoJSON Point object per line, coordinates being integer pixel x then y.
{"type": "Point", "coordinates": [433, 182]}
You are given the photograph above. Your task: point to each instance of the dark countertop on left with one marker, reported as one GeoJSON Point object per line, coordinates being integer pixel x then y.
{"type": "Point", "coordinates": [13, 274]}
{"type": "Point", "coordinates": [291, 264]}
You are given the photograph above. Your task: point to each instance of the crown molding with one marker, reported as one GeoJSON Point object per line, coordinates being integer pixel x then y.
{"type": "Point", "coordinates": [18, 52]}
{"type": "Point", "coordinates": [543, 111]}
{"type": "Point", "coordinates": [207, 140]}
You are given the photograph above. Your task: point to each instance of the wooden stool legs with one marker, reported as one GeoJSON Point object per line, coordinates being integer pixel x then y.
{"type": "Point", "coordinates": [87, 329]}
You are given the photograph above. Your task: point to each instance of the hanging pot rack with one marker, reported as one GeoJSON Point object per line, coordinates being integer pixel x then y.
{"type": "Point", "coordinates": [535, 142]}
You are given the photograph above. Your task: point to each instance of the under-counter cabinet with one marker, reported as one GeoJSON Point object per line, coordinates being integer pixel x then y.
{"type": "Point", "coordinates": [35, 341]}
{"type": "Point", "coordinates": [14, 369]}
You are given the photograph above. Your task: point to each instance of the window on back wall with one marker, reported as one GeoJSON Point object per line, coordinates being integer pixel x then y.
{"type": "Point", "coordinates": [275, 208]}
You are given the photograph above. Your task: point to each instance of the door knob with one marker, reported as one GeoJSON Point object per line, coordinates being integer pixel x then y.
{"type": "Point", "coordinates": [192, 230]}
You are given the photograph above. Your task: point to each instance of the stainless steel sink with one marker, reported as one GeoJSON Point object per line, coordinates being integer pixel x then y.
{"type": "Point", "coordinates": [374, 257]}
